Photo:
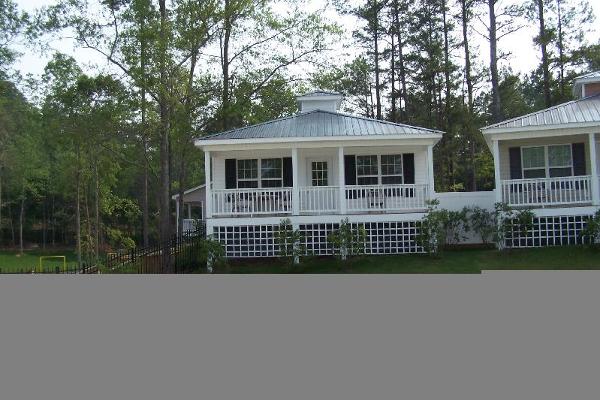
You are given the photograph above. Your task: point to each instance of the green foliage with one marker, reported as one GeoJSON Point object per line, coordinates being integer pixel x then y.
{"type": "Point", "coordinates": [289, 241]}
{"type": "Point", "coordinates": [118, 239]}
{"type": "Point", "coordinates": [348, 241]}
{"type": "Point", "coordinates": [212, 252]}
{"type": "Point", "coordinates": [591, 232]}
{"type": "Point", "coordinates": [441, 227]}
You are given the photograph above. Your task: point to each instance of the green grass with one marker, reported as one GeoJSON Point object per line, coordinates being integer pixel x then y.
{"type": "Point", "coordinates": [11, 260]}
{"type": "Point", "coordinates": [471, 261]}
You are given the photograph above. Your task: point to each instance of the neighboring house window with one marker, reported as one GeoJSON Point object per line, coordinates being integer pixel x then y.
{"type": "Point", "coordinates": [547, 161]}
{"type": "Point", "coordinates": [367, 170]}
{"type": "Point", "coordinates": [374, 170]}
{"type": "Point", "coordinates": [247, 174]}
{"type": "Point", "coordinates": [391, 169]}
{"type": "Point", "coordinates": [271, 172]}
{"type": "Point", "coordinates": [319, 173]}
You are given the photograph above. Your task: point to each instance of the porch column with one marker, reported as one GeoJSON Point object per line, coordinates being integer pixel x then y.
{"type": "Point", "coordinates": [177, 216]}
{"type": "Point", "coordinates": [342, 181]}
{"type": "Point", "coordinates": [594, 166]}
{"type": "Point", "coordinates": [430, 174]}
{"type": "Point", "coordinates": [208, 184]}
{"type": "Point", "coordinates": [295, 186]}
{"type": "Point", "coordinates": [496, 155]}
{"type": "Point", "coordinates": [189, 210]}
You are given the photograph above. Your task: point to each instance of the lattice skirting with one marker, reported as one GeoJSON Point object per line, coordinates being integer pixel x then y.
{"type": "Point", "coordinates": [247, 241]}
{"type": "Point", "coordinates": [550, 231]}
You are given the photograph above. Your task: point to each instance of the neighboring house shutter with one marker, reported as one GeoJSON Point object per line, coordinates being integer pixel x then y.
{"type": "Point", "coordinates": [578, 151]}
{"type": "Point", "coordinates": [230, 174]}
{"type": "Point", "coordinates": [514, 156]}
{"type": "Point", "coordinates": [350, 170]}
{"type": "Point", "coordinates": [288, 172]}
{"type": "Point", "coordinates": [408, 168]}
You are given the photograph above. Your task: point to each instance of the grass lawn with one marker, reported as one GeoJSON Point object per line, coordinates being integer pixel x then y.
{"type": "Point", "coordinates": [12, 261]}
{"type": "Point", "coordinates": [471, 261]}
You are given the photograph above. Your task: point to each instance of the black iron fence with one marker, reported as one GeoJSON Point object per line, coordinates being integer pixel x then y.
{"type": "Point", "coordinates": [180, 255]}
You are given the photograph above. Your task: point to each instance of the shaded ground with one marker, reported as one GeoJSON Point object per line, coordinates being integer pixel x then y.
{"type": "Point", "coordinates": [12, 261]}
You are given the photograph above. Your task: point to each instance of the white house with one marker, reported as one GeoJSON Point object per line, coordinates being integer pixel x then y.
{"type": "Point", "coordinates": [316, 168]}
{"type": "Point", "coordinates": [547, 161]}
{"type": "Point", "coordinates": [193, 208]}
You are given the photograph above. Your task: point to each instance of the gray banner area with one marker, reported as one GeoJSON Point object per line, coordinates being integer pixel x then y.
{"type": "Point", "coordinates": [499, 335]}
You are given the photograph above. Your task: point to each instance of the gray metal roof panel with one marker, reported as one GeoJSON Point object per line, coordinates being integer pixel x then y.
{"type": "Point", "coordinates": [320, 123]}
{"type": "Point", "coordinates": [586, 110]}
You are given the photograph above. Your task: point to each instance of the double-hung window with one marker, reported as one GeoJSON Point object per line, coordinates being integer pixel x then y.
{"type": "Point", "coordinates": [271, 172]}
{"type": "Point", "coordinates": [374, 170]}
{"type": "Point", "coordinates": [367, 170]}
{"type": "Point", "coordinates": [247, 174]}
{"type": "Point", "coordinates": [319, 173]}
{"type": "Point", "coordinates": [547, 161]}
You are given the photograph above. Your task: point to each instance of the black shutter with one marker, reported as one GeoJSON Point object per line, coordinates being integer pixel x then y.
{"type": "Point", "coordinates": [408, 168]}
{"type": "Point", "coordinates": [288, 172]}
{"type": "Point", "coordinates": [350, 170]}
{"type": "Point", "coordinates": [230, 174]}
{"type": "Point", "coordinates": [514, 156]}
{"type": "Point", "coordinates": [578, 151]}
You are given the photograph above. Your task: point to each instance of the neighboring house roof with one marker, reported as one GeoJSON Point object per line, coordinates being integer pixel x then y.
{"type": "Point", "coordinates": [319, 123]}
{"type": "Point", "coordinates": [317, 93]}
{"type": "Point", "coordinates": [175, 196]}
{"type": "Point", "coordinates": [576, 113]}
{"type": "Point", "coordinates": [592, 75]}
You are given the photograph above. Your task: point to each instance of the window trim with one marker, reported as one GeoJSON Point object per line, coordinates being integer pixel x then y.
{"type": "Point", "coordinates": [380, 174]}
{"type": "Point", "coordinates": [546, 166]}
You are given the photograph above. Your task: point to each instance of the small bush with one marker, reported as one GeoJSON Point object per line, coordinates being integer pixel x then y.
{"type": "Point", "coordinates": [441, 227]}
{"type": "Point", "coordinates": [348, 241]}
{"type": "Point", "coordinates": [213, 253]}
{"type": "Point", "coordinates": [591, 232]}
{"type": "Point", "coordinates": [289, 242]}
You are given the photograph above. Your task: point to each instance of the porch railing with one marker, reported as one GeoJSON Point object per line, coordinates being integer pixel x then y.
{"type": "Point", "coordinates": [228, 202]}
{"type": "Point", "coordinates": [386, 197]}
{"type": "Point", "coordinates": [547, 191]}
{"type": "Point", "coordinates": [319, 199]}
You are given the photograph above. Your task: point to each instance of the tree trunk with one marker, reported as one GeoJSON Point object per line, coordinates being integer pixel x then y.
{"type": "Point", "coordinates": [145, 207]}
{"type": "Point", "coordinates": [447, 82]}
{"type": "Point", "coordinates": [227, 26]}
{"type": "Point", "coordinates": [544, 48]}
{"type": "Point", "coordinates": [97, 214]}
{"type": "Point", "coordinates": [465, 17]}
{"type": "Point", "coordinates": [1, 228]}
{"type": "Point", "coordinates": [376, 58]}
{"type": "Point", "coordinates": [78, 210]}
{"type": "Point", "coordinates": [165, 127]}
{"type": "Point", "coordinates": [44, 223]}
{"type": "Point", "coordinates": [393, 81]}
{"type": "Point", "coordinates": [400, 62]}
{"type": "Point", "coordinates": [21, 218]}
{"type": "Point", "coordinates": [496, 105]}
{"type": "Point", "coordinates": [561, 51]}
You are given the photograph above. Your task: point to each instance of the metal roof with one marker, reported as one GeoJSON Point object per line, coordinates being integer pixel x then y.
{"type": "Point", "coordinates": [582, 111]}
{"type": "Point", "coordinates": [591, 75]}
{"type": "Point", "coordinates": [318, 93]}
{"type": "Point", "coordinates": [320, 123]}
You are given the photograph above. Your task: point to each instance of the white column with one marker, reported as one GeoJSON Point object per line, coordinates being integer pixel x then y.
{"type": "Point", "coordinates": [496, 154]}
{"type": "Point", "coordinates": [189, 210]}
{"type": "Point", "coordinates": [430, 174]}
{"type": "Point", "coordinates": [594, 166]}
{"type": "Point", "coordinates": [341, 181]}
{"type": "Point", "coordinates": [295, 183]}
{"type": "Point", "coordinates": [208, 184]}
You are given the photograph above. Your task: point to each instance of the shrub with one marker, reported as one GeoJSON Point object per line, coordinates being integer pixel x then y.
{"type": "Point", "coordinates": [507, 219]}
{"type": "Point", "coordinates": [591, 232]}
{"type": "Point", "coordinates": [441, 227]}
{"type": "Point", "coordinates": [483, 223]}
{"type": "Point", "coordinates": [213, 252]}
{"type": "Point", "coordinates": [289, 242]}
{"type": "Point", "coordinates": [348, 241]}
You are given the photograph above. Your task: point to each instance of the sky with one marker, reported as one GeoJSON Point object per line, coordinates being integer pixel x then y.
{"type": "Point", "coordinates": [524, 56]}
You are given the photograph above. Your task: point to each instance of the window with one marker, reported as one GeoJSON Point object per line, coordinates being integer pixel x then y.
{"type": "Point", "coordinates": [319, 173]}
{"type": "Point", "coordinates": [271, 173]}
{"type": "Point", "coordinates": [247, 174]}
{"type": "Point", "coordinates": [367, 171]}
{"type": "Point", "coordinates": [391, 169]}
{"type": "Point", "coordinates": [547, 161]}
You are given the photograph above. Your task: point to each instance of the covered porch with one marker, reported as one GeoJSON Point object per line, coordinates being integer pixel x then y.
{"type": "Point", "coordinates": [319, 179]}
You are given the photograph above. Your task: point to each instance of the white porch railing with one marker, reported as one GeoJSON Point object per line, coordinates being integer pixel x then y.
{"type": "Point", "coordinates": [547, 191]}
{"type": "Point", "coordinates": [319, 199]}
{"type": "Point", "coordinates": [229, 202]}
{"type": "Point", "coordinates": [190, 225]}
{"type": "Point", "coordinates": [386, 197]}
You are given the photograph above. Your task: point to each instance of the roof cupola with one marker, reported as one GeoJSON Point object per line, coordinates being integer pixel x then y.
{"type": "Point", "coordinates": [320, 100]}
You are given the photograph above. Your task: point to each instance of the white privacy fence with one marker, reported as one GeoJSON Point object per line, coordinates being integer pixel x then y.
{"type": "Point", "coordinates": [386, 197]}
{"type": "Point", "coordinates": [547, 191]}
{"type": "Point", "coordinates": [227, 202]}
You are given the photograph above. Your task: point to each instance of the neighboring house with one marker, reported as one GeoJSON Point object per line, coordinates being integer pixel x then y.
{"type": "Point", "coordinates": [193, 208]}
{"type": "Point", "coordinates": [547, 161]}
{"type": "Point", "coordinates": [316, 168]}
